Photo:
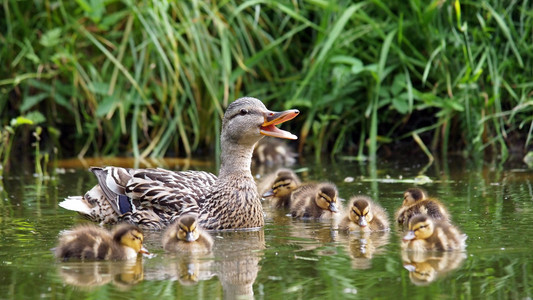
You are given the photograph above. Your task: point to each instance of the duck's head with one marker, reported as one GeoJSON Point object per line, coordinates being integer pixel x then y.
{"type": "Point", "coordinates": [413, 195]}
{"type": "Point", "coordinates": [420, 228]}
{"type": "Point", "coordinates": [360, 212]}
{"type": "Point", "coordinates": [247, 119]}
{"type": "Point", "coordinates": [284, 184]}
{"type": "Point", "coordinates": [326, 197]}
{"type": "Point", "coordinates": [130, 236]}
{"type": "Point", "coordinates": [187, 228]}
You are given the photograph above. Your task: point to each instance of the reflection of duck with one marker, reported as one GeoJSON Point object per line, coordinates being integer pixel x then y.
{"type": "Point", "coordinates": [89, 242]}
{"type": "Point", "coordinates": [364, 246]}
{"type": "Point", "coordinates": [425, 267]}
{"type": "Point", "coordinates": [242, 251]}
{"type": "Point", "coordinates": [427, 234]}
{"type": "Point", "coordinates": [92, 274]}
{"type": "Point", "coordinates": [186, 236]}
{"type": "Point", "coordinates": [278, 187]}
{"type": "Point", "coordinates": [155, 197]}
{"type": "Point", "coordinates": [364, 215]}
{"type": "Point", "coordinates": [315, 200]}
{"type": "Point", "coordinates": [271, 152]}
{"type": "Point", "coordinates": [416, 201]}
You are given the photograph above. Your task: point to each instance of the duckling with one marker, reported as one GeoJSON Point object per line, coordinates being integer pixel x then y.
{"type": "Point", "coordinates": [416, 201]}
{"type": "Point", "coordinates": [426, 234]}
{"type": "Point", "coordinates": [278, 187]}
{"type": "Point", "coordinates": [315, 200]}
{"type": "Point", "coordinates": [270, 152]}
{"type": "Point", "coordinates": [89, 242]}
{"type": "Point", "coordinates": [364, 215]}
{"type": "Point", "coordinates": [185, 235]}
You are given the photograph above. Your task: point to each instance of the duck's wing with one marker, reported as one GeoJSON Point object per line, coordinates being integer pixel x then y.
{"type": "Point", "coordinates": [128, 190]}
{"type": "Point", "coordinates": [177, 192]}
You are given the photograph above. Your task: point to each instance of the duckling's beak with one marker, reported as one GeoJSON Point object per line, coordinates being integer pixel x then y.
{"type": "Point", "coordinates": [146, 253]}
{"type": "Point", "coordinates": [362, 221]}
{"type": "Point", "coordinates": [333, 207]}
{"type": "Point", "coordinates": [409, 236]}
{"type": "Point", "coordinates": [274, 118]}
{"type": "Point", "coordinates": [409, 267]}
{"type": "Point", "coordinates": [268, 193]}
{"type": "Point", "coordinates": [189, 237]}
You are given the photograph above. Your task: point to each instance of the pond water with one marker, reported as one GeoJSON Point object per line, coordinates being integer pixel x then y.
{"type": "Point", "coordinates": [288, 258]}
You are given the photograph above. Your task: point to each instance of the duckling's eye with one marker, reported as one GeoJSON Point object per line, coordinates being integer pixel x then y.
{"type": "Point", "coordinates": [243, 112]}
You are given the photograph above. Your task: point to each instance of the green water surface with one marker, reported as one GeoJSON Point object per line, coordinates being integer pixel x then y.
{"type": "Point", "coordinates": [288, 259]}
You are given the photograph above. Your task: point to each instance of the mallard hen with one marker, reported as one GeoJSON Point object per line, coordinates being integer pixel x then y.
{"type": "Point", "coordinates": [416, 201]}
{"type": "Point", "coordinates": [90, 242]}
{"type": "Point", "coordinates": [315, 201]}
{"type": "Point", "coordinates": [278, 187]}
{"type": "Point", "coordinates": [364, 215]}
{"type": "Point", "coordinates": [154, 198]}
{"type": "Point", "coordinates": [186, 236]}
{"type": "Point", "coordinates": [426, 234]}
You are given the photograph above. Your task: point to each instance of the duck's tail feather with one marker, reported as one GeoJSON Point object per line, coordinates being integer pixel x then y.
{"type": "Point", "coordinates": [93, 206]}
{"type": "Point", "coordinates": [76, 203]}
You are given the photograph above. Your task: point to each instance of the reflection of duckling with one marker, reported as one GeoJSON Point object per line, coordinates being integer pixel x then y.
{"type": "Point", "coordinates": [416, 201]}
{"type": "Point", "coordinates": [425, 267]}
{"type": "Point", "coordinates": [364, 215]}
{"type": "Point", "coordinates": [278, 187]}
{"type": "Point", "coordinates": [185, 235]}
{"type": "Point", "coordinates": [427, 234]}
{"type": "Point", "coordinates": [364, 246]}
{"type": "Point", "coordinates": [271, 151]}
{"type": "Point", "coordinates": [89, 242]}
{"type": "Point", "coordinates": [315, 200]}
{"type": "Point", "coordinates": [88, 275]}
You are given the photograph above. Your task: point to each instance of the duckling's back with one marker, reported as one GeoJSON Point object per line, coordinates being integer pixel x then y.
{"type": "Point", "coordinates": [303, 201]}
{"type": "Point", "coordinates": [430, 207]}
{"type": "Point", "coordinates": [86, 242]}
{"type": "Point", "coordinates": [447, 237]}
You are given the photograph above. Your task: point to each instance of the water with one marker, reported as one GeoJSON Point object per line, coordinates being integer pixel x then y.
{"type": "Point", "coordinates": [288, 258]}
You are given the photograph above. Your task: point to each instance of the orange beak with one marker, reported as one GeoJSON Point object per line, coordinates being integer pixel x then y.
{"type": "Point", "coordinates": [274, 118]}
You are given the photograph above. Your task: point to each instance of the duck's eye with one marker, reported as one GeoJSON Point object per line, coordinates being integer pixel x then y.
{"type": "Point", "coordinates": [243, 112]}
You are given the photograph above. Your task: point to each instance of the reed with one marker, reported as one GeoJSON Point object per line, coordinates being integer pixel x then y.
{"type": "Point", "coordinates": [152, 78]}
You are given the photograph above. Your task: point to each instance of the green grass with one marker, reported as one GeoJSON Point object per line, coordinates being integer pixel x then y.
{"type": "Point", "coordinates": [152, 78]}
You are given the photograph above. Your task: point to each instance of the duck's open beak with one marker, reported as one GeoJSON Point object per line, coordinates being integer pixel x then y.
{"type": "Point", "coordinates": [274, 118]}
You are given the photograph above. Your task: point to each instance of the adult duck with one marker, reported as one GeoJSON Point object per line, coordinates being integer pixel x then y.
{"type": "Point", "coordinates": [154, 198]}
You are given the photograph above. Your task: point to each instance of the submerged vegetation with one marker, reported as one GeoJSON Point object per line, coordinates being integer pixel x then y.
{"type": "Point", "coordinates": [152, 78]}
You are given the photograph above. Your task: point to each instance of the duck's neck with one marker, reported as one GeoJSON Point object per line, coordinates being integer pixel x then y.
{"type": "Point", "coordinates": [235, 159]}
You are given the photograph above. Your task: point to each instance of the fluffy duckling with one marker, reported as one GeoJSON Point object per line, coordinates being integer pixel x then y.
{"type": "Point", "coordinates": [426, 234]}
{"type": "Point", "coordinates": [315, 200]}
{"type": "Point", "coordinates": [416, 201]}
{"type": "Point", "coordinates": [279, 186]}
{"type": "Point", "coordinates": [364, 215]}
{"type": "Point", "coordinates": [89, 242]}
{"type": "Point", "coordinates": [185, 235]}
{"type": "Point", "coordinates": [271, 151]}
